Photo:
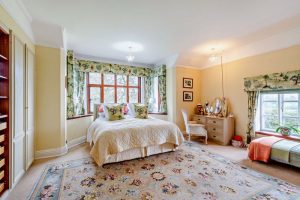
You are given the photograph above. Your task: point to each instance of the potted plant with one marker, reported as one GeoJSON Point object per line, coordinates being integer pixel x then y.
{"type": "Point", "coordinates": [287, 130]}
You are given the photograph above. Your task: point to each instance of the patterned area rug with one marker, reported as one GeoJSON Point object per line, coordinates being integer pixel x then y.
{"type": "Point", "coordinates": [189, 173]}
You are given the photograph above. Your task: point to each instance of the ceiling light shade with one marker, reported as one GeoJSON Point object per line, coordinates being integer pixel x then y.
{"type": "Point", "coordinates": [123, 46]}
{"type": "Point", "coordinates": [130, 58]}
{"type": "Point", "coordinates": [213, 58]}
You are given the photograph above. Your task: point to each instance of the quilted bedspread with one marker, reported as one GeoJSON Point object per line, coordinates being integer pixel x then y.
{"type": "Point", "coordinates": [111, 137]}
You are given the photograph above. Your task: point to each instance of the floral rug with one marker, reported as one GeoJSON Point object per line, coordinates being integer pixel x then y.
{"type": "Point", "coordinates": [189, 173]}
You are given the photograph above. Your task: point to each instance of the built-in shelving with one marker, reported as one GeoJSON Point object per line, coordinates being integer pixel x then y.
{"type": "Point", "coordinates": [3, 57]}
{"type": "Point", "coordinates": [3, 116]}
{"type": "Point", "coordinates": [4, 111]}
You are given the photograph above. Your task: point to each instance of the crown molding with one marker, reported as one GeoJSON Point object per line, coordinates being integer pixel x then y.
{"type": "Point", "coordinates": [17, 10]}
{"type": "Point", "coordinates": [189, 67]}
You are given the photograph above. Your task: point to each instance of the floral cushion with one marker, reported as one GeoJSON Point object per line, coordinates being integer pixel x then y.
{"type": "Point", "coordinates": [114, 112]}
{"type": "Point", "coordinates": [141, 111]}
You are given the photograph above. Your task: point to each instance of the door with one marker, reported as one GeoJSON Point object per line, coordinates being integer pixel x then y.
{"type": "Point", "coordinates": [18, 133]}
{"type": "Point", "coordinates": [29, 107]}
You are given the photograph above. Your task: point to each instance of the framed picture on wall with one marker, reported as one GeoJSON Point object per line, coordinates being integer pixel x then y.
{"type": "Point", "coordinates": [187, 96]}
{"type": "Point", "coordinates": [188, 83]}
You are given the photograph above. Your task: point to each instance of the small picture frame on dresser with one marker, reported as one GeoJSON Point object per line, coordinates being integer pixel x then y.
{"type": "Point", "coordinates": [188, 83]}
{"type": "Point", "coordinates": [187, 96]}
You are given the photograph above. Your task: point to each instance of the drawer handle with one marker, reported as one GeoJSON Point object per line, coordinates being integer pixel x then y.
{"type": "Point", "coordinates": [214, 136]}
{"type": "Point", "coordinates": [214, 122]}
{"type": "Point", "coordinates": [214, 129]}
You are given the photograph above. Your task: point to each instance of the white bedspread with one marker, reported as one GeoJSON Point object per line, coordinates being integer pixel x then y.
{"type": "Point", "coordinates": [111, 137]}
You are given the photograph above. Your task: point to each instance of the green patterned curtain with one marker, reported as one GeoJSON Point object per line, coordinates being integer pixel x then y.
{"type": "Point", "coordinates": [75, 87]}
{"type": "Point", "coordinates": [70, 84]}
{"type": "Point", "coordinates": [148, 92]}
{"type": "Point", "coordinates": [162, 89]}
{"type": "Point", "coordinates": [80, 92]}
{"type": "Point", "coordinates": [161, 73]}
{"type": "Point", "coordinates": [252, 107]}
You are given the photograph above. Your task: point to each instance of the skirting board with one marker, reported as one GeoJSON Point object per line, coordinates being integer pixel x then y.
{"type": "Point", "coordinates": [51, 152]}
{"type": "Point", "coordinates": [59, 151]}
{"type": "Point", "coordinates": [77, 141]}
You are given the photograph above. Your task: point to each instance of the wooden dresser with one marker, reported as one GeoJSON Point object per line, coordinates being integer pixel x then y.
{"type": "Point", "coordinates": [220, 130]}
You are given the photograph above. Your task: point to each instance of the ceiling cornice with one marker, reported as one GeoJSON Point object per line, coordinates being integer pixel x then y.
{"type": "Point", "coordinates": [189, 67]}
{"type": "Point", "coordinates": [17, 10]}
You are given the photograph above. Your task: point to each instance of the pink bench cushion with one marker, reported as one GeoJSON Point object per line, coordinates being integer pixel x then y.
{"type": "Point", "coordinates": [260, 149]}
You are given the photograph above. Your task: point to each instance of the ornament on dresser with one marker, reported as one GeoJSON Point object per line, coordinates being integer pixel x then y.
{"type": "Point", "coordinates": [218, 108]}
{"type": "Point", "coordinates": [200, 109]}
{"type": "Point", "coordinates": [207, 108]}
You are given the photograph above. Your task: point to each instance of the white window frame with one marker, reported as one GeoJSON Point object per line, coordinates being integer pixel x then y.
{"type": "Point", "coordinates": [280, 108]}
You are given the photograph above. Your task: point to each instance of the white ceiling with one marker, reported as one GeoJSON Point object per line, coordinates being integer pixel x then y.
{"type": "Point", "coordinates": [166, 28]}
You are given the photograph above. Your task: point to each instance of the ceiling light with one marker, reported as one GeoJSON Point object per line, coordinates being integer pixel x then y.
{"type": "Point", "coordinates": [214, 56]}
{"type": "Point", "coordinates": [123, 46]}
{"type": "Point", "coordinates": [130, 57]}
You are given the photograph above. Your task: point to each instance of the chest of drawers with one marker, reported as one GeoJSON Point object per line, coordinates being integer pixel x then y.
{"type": "Point", "coordinates": [219, 130]}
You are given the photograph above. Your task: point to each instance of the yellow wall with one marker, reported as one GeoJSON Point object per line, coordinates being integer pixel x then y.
{"type": "Point", "coordinates": [50, 93]}
{"type": "Point", "coordinates": [77, 128]}
{"type": "Point", "coordinates": [7, 20]}
{"type": "Point", "coordinates": [182, 72]}
{"type": "Point", "coordinates": [234, 72]}
{"type": "Point", "coordinates": [171, 93]}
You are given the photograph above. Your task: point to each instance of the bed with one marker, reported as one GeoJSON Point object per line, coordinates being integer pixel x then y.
{"type": "Point", "coordinates": [130, 138]}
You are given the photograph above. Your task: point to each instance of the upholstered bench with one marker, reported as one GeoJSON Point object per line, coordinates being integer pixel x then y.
{"type": "Point", "coordinates": [295, 156]}
{"type": "Point", "coordinates": [278, 149]}
{"type": "Point", "coordinates": [286, 151]}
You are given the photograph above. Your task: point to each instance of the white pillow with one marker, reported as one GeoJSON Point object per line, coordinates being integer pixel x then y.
{"type": "Point", "coordinates": [131, 110]}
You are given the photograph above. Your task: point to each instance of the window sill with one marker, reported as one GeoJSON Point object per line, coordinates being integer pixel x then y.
{"type": "Point", "coordinates": [291, 137]}
{"type": "Point", "coordinates": [157, 113]}
{"type": "Point", "coordinates": [79, 116]}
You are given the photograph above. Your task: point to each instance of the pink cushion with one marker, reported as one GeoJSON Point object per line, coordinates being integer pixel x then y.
{"type": "Point", "coordinates": [101, 108]}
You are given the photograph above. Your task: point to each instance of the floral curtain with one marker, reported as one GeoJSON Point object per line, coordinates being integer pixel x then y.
{"type": "Point", "coordinates": [70, 85]}
{"type": "Point", "coordinates": [252, 107]}
{"type": "Point", "coordinates": [270, 82]}
{"type": "Point", "coordinates": [75, 87]}
{"type": "Point", "coordinates": [80, 92]}
{"type": "Point", "coordinates": [162, 89]}
{"type": "Point", "coordinates": [76, 73]}
{"type": "Point", "coordinates": [148, 92]}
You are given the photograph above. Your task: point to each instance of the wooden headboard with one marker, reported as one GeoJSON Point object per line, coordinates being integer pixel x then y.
{"type": "Point", "coordinates": [96, 110]}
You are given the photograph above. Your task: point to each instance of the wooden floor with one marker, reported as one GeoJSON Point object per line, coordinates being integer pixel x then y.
{"type": "Point", "coordinates": [282, 171]}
